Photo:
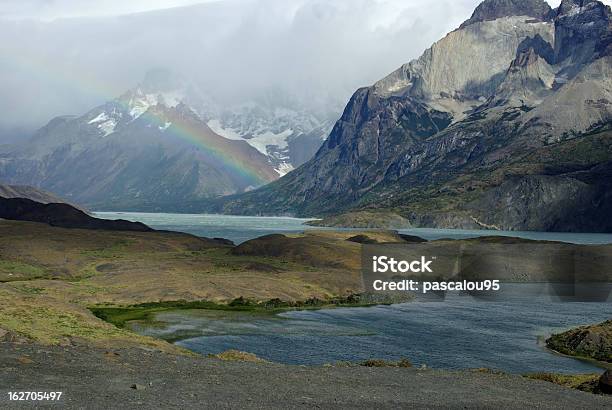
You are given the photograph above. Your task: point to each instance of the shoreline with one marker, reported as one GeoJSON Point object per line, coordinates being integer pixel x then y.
{"type": "Point", "coordinates": [541, 340]}
{"type": "Point", "coordinates": [120, 315]}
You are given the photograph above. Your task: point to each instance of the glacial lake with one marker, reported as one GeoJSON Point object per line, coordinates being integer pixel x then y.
{"type": "Point", "coordinates": [243, 228]}
{"type": "Point", "coordinates": [456, 333]}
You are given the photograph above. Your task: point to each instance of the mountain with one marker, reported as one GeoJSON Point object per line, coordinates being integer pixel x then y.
{"type": "Point", "coordinates": [146, 150]}
{"type": "Point", "coordinates": [505, 123]}
{"type": "Point", "coordinates": [277, 125]}
{"type": "Point", "coordinates": [273, 121]}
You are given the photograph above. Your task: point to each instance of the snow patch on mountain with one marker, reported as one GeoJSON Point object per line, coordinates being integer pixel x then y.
{"type": "Point", "coordinates": [284, 168]}
{"type": "Point", "coordinates": [108, 127]}
{"type": "Point", "coordinates": [139, 102]}
{"type": "Point", "coordinates": [269, 138]}
{"type": "Point", "coordinates": [229, 133]}
{"type": "Point", "coordinates": [259, 141]}
{"type": "Point", "coordinates": [101, 117]}
{"type": "Point", "coordinates": [273, 145]}
{"type": "Point", "coordinates": [105, 123]}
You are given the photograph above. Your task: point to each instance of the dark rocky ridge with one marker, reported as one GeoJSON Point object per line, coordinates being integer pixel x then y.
{"type": "Point", "coordinates": [61, 215]}
{"type": "Point", "coordinates": [585, 23]}
{"type": "Point", "coordinates": [494, 9]}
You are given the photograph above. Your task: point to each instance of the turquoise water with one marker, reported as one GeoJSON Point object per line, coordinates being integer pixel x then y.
{"type": "Point", "coordinates": [242, 228]}
{"type": "Point", "coordinates": [459, 332]}
{"type": "Point", "coordinates": [234, 228]}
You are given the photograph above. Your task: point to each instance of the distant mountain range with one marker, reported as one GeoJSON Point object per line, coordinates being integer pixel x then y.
{"type": "Point", "coordinates": [505, 123]}
{"type": "Point", "coordinates": [153, 149]}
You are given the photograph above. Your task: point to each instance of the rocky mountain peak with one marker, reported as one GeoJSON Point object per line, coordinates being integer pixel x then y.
{"type": "Point", "coordinates": [571, 6]}
{"type": "Point", "coordinates": [583, 31]}
{"type": "Point", "coordinates": [494, 9]}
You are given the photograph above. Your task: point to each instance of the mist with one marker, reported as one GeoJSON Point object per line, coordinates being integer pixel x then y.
{"type": "Point", "coordinates": [318, 52]}
{"type": "Point", "coordinates": [315, 52]}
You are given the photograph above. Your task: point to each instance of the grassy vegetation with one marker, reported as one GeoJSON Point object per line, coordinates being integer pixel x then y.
{"type": "Point", "coordinates": [11, 270]}
{"type": "Point", "coordinates": [49, 321]}
{"type": "Point", "coordinates": [132, 275]}
{"type": "Point", "coordinates": [237, 356]}
{"type": "Point", "coordinates": [115, 250]}
{"type": "Point", "coordinates": [584, 382]}
{"type": "Point", "coordinates": [119, 316]}
{"type": "Point", "coordinates": [591, 342]}
{"type": "Point", "coordinates": [385, 363]}
{"type": "Point", "coordinates": [364, 219]}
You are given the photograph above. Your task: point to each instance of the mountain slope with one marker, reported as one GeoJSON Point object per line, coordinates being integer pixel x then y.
{"type": "Point", "coordinates": [494, 108]}
{"type": "Point", "coordinates": [28, 192]}
{"type": "Point", "coordinates": [145, 150]}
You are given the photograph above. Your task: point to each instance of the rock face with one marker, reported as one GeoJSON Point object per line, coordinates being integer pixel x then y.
{"type": "Point", "coordinates": [61, 215]}
{"type": "Point", "coordinates": [146, 150]}
{"type": "Point", "coordinates": [517, 100]}
{"type": "Point", "coordinates": [494, 9]}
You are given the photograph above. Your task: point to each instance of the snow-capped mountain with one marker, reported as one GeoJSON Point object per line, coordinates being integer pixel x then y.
{"type": "Point", "coordinates": [146, 150]}
{"type": "Point", "coordinates": [288, 137]}
{"type": "Point", "coordinates": [275, 124]}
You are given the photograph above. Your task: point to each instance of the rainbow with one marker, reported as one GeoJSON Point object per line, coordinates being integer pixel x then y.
{"type": "Point", "coordinates": [55, 73]}
{"type": "Point", "coordinates": [192, 135]}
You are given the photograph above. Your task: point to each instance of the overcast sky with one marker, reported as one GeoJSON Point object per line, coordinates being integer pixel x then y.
{"type": "Point", "coordinates": [66, 56]}
{"type": "Point", "coordinates": [51, 9]}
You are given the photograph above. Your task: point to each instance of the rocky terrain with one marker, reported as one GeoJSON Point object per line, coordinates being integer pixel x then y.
{"type": "Point", "coordinates": [594, 342]}
{"type": "Point", "coordinates": [502, 124]}
{"type": "Point", "coordinates": [136, 377]}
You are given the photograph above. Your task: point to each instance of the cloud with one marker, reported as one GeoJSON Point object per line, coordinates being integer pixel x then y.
{"type": "Point", "coordinates": [318, 51]}
{"type": "Point", "coordinates": [53, 9]}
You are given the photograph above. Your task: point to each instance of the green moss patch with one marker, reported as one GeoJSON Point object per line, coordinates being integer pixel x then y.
{"type": "Point", "coordinates": [15, 270]}
{"type": "Point", "coordinates": [119, 316]}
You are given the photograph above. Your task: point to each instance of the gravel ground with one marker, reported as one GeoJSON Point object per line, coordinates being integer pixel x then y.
{"type": "Point", "coordinates": [136, 378]}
